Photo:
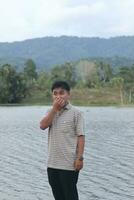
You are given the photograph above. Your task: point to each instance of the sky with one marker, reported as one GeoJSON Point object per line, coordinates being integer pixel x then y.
{"type": "Point", "coordinates": [26, 19]}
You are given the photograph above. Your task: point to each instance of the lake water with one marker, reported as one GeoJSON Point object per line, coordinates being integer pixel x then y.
{"type": "Point", "coordinates": [108, 173]}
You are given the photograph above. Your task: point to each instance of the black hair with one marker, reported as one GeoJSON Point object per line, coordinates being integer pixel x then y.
{"type": "Point", "coordinates": [60, 84]}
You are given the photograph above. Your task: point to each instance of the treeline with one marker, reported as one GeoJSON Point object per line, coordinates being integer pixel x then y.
{"type": "Point", "coordinates": [15, 86]}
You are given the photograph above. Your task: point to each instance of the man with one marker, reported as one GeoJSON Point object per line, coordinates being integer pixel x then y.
{"type": "Point", "coordinates": [65, 143]}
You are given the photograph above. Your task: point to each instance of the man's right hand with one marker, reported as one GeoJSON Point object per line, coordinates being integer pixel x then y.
{"type": "Point", "coordinates": [58, 103]}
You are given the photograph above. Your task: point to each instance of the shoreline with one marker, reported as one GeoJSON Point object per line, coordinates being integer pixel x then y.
{"type": "Point", "coordinates": [80, 105]}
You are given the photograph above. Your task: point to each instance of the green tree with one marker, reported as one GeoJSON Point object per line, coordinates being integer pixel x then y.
{"type": "Point", "coordinates": [64, 72]}
{"type": "Point", "coordinates": [57, 73]}
{"type": "Point", "coordinates": [12, 87]}
{"type": "Point", "coordinates": [69, 73]}
{"type": "Point", "coordinates": [104, 71]}
{"type": "Point", "coordinates": [30, 70]}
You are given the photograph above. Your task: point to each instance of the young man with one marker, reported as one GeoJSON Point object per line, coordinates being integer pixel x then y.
{"type": "Point", "coordinates": [65, 143]}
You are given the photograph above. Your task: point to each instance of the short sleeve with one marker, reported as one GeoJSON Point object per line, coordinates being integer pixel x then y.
{"type": "Point", "coordinates": [79, 124]}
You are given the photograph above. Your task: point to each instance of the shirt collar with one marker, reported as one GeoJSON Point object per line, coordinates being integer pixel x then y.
{"type": "Point", "coordinates": [67, 106]}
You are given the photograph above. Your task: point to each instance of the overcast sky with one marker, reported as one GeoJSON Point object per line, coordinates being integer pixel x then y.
{"type": "Point", "coordinates": [24, 19]}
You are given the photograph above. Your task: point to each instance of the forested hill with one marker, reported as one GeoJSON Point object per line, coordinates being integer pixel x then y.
{"type": "Point", "coordinates": [49, 51]}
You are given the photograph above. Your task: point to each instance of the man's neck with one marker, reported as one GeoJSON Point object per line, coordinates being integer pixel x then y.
{"type": "Point", "coordinates": [66, 103]}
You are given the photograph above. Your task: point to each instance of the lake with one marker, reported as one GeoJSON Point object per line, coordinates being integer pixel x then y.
{"type": "Point", "coordinates": [108, 172]}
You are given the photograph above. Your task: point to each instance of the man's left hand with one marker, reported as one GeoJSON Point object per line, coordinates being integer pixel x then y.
{"type": "Point", "coordinates": [78, 165]}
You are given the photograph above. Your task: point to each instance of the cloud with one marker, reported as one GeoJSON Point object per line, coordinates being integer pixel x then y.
{"type": "Point", "coordinates": [104, 18]}
{"type": "Point", "coordinates": [20, 20]}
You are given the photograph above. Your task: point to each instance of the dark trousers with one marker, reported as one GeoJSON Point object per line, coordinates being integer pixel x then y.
{"type": "Point", "coordinates": [63, 183]}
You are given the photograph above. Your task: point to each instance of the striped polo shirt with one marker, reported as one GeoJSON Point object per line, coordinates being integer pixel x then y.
{"type": "Point", "coordinates": [63, 133]}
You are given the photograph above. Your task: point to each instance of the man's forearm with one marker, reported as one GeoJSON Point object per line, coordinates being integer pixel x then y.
{"type": "Point", "coordinates": [47, 120]}
{"type": "Point", "coordinates": [80, 146]}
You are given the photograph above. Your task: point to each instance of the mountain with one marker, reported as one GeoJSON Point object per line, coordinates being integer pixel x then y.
{"type": "Point", "coordinates": [50, 51]}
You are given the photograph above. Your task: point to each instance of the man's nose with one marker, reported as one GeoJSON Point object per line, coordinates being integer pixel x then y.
{"type": "Point", "coordinates": [58, 96]}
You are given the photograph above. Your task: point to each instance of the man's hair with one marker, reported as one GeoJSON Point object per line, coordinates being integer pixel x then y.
{"type": "Point", "coordinates": [60, 84]}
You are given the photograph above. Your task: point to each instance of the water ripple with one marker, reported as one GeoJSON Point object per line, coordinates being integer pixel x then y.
{"type": "Point", "coordinates": [108, 172]}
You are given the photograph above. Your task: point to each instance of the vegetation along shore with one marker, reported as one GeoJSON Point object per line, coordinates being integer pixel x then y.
{"type": "Point", "coordinates": [93, 83]}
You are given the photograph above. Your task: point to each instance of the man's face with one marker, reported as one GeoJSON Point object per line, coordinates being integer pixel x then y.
{"type": "Point", "coordinates": [61, 93]}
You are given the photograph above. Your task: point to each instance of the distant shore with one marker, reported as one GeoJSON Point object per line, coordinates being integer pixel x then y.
{"type": "Point", "coordinates": [79, 97]}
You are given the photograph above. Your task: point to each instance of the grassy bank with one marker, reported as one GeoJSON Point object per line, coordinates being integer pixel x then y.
{"type": "Point", "coordinates": [82, 97]}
